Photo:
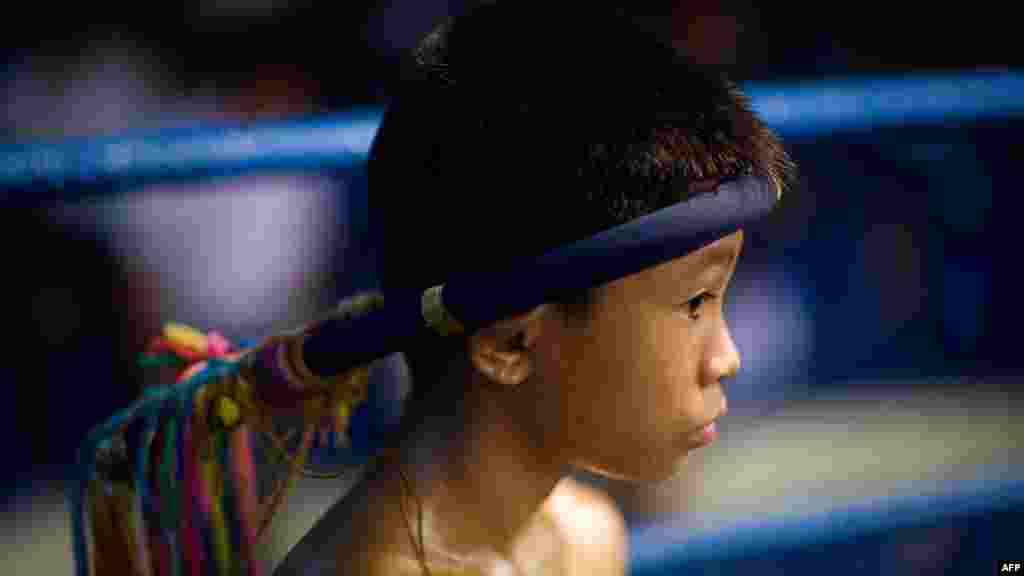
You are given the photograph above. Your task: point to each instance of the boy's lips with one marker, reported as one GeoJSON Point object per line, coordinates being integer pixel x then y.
{"type": "Point", "coordinates": [703, 436]}
{"type": "Point", "coordinates": [707, 433]}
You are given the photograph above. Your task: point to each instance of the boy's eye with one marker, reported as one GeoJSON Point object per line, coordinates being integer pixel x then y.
{"type": "Point", "coordinates": [693, 305]}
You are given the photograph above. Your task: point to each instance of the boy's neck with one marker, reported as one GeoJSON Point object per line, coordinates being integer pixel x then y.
{"type": "Point", "coordinates": [477, 471]}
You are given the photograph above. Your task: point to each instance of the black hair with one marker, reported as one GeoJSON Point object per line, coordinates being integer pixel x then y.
{"type": "Point", "coordinates": [518, 129]}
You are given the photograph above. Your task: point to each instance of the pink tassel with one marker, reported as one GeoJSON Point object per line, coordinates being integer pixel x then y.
{"type": "Point", "coordinates": [217, 344]}
{"type": "Point", "coordinates": [245, 484]}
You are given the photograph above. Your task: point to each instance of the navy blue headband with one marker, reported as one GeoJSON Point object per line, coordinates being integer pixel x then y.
{"type": "Point", "coordinates": [476, 300]}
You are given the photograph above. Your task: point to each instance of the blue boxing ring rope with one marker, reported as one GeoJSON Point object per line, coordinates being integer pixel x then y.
{"type": "Point", "coordinates": [798, 110]}
{"type": "Point", "coordinates": [67, 169]}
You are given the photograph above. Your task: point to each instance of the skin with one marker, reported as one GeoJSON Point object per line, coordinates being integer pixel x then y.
{"type": "Point", "coordinates": [623, 391]}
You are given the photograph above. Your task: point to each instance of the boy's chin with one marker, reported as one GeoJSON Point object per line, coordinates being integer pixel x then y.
{"type": "Point", "coordinates": [665, 470]}
{"type": "Point", "coordinates": [647, 472]}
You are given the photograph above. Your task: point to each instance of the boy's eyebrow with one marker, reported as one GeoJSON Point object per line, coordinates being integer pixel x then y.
{"type": "Point", "coordinates": [721, 254]}
{"type": "Point", "coordinates": [710, 267]}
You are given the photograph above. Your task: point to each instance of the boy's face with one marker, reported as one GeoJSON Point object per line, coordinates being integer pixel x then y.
{"type": "Point", "coordinates": [629, 389]}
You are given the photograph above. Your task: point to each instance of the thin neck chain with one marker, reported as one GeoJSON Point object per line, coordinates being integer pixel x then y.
{"type": "Point", "coordinates": [419, 545]}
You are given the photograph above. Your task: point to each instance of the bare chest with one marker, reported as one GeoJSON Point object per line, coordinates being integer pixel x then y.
{"type": "Point", "coordinates": [540, 550]}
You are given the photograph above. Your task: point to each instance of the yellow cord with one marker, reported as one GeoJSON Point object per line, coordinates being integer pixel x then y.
{"type": "Point", "coordinates": [186, 336]}
{"type": "Point", "coordinates": [436, 315]}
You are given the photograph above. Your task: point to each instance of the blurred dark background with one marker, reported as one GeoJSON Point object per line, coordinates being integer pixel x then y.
{"type": "Point", "coordinates": [272, 57]}
{"type": "Point", "coordinates": [884, 262]}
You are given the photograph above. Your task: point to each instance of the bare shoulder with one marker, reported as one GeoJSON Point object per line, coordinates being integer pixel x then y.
{"type": "Point", "coordinates": [343, 540]}
{"type": "Point", "coordinates": [594, 528]}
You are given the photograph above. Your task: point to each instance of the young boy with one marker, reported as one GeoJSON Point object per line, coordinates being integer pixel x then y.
{"type": "Point", "coordinates": [522, 130]}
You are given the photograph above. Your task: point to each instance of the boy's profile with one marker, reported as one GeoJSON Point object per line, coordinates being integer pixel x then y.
{"type": "Point", "coordinates": [521, 129]}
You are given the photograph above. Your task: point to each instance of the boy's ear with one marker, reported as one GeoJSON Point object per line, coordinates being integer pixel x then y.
{"type": "Point", "coordinates": [502, 351]}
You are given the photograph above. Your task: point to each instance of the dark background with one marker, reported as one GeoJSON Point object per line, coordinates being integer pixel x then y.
{"type": "Point", "coordinates": [893, 238]}
{"type": "Point", "coordinates": [329, 55]}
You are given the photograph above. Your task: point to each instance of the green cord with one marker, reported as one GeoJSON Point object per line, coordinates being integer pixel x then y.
{"type": "Point", "coordinates": [169, 491]}
{"type": "Point", "coordinates": [150, 360]}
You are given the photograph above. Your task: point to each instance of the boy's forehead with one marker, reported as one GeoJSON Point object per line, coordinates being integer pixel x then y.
{"type": "Point", "coordinates": [688, 268]}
